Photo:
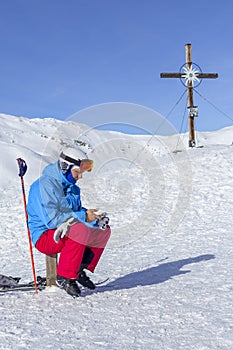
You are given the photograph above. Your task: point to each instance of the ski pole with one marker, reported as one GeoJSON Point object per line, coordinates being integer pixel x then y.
{"type": "Point", "coordinates": [22, 170]}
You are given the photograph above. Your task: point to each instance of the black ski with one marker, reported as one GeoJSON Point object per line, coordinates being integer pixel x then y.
{"type": "Point", "coordinates": [99, 283]}
{"type": "Point", "coordinates": [20, 288]}
{"type": "Point", "coordinates": [11, 284]}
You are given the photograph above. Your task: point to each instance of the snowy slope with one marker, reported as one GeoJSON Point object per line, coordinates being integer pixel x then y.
{"type": "Point", "coordinates": [170, 257]}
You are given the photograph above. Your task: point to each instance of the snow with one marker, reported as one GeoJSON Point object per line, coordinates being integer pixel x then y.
{"type": "Point", "coordinates": [170, 257]}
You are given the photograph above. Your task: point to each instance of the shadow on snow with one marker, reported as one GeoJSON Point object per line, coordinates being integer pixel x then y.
{"type": "Point", "coordinates": [153, 275]}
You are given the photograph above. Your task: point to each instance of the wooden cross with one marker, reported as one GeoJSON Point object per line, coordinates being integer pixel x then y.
{"type": "Point", "coordinates": [191, 76]}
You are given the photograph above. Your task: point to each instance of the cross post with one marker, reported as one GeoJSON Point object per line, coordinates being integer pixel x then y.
{"type": "Point", "coordinates": [190, 75]}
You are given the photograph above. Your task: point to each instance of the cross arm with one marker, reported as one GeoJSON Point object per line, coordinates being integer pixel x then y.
{"type": "Point", "coordinates": [208, 75]}
{"type": "Point", "coordinates": [170, 75]}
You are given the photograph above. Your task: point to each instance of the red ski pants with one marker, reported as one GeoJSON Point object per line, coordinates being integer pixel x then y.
{"type": "Point", "coordinates": [72, 247]}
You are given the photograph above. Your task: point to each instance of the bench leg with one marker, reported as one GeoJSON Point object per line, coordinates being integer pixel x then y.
{"type": "Point", "coordinates": [51, 270]}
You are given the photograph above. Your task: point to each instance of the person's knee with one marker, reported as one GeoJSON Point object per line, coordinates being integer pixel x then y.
{"type": "Point", "coordinates": [79, 232]}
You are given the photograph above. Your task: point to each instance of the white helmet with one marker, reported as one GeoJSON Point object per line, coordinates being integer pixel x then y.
{"type": "Point", "coordinates": [73, 157]}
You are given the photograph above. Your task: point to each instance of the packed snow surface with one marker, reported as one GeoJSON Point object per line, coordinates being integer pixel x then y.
{"type": "Point", "coordinates": [170, 257]}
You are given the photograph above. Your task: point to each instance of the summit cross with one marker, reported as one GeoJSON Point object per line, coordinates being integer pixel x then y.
{"type": "Point", "coordinates": [192, 75]}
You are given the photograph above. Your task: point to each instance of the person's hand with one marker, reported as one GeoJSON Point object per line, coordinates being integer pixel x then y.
{"type": "Point", "coordinates": [91, 215]}
{"type": "Point", "coordinates": [63, 229]}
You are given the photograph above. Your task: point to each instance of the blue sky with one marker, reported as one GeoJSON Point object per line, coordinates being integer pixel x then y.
{"type": "Point", "coordinates": [62, 56]}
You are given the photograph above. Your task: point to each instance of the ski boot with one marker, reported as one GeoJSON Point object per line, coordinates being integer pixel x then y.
{"type": "Point", "coordinates": [85, 281]}
{"type": "Point", "coordinates": [69, 285]}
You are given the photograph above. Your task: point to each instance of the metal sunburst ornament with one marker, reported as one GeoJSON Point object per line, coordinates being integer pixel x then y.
{"type": "Point", "coordinates": [190, 75]}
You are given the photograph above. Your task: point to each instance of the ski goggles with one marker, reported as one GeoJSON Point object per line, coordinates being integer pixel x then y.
{"type": "Point", "coordinates": [86, 165]}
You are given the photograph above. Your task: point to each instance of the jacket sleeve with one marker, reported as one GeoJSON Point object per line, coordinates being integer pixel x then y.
{"type": "Point", "coordinates": [52, 206]}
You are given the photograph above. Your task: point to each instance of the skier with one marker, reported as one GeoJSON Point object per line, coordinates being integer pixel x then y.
{"type": "Point", "coordinates": [59, 223]}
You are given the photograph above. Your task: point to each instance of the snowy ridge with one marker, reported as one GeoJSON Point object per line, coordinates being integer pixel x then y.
{"type": "Point", "coordinates": [170, 257]}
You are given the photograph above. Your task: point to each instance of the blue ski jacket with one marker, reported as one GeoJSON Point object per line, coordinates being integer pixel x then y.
{"type": "Point", "coordinates": [53, 199]}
